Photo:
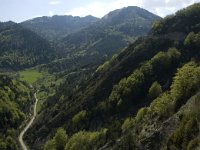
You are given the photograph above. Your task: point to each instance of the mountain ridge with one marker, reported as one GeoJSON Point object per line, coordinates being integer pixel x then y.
{"type": "Point", "coordinates": [22, 48]}
{"type": "Point", "coordinates": [132, 95]}
{"type": "Point", "coordinates": [57, 25]}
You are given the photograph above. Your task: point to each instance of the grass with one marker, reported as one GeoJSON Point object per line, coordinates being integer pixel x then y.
{"type": "Point", "coordinates": [47, 87]}
{"type": "Point", "coordinates": [30, 76]}
{"type": "Point", "coordinates": [43, 81]}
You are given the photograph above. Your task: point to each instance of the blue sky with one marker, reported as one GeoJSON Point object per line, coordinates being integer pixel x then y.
{"type": "Point", "coordinates": [20, 10]}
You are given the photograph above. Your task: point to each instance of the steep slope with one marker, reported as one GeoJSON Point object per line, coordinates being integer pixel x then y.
{"type": "Point", "coordinates": [114, 31]}
{"type": "Point", "coordinates": [96, 43]}
{"type": "Point", "coordinates": [55, 27]}
{"type": "Point", "coordinates": [22, 48]}
{"type": "Point", "coordinates": [129, 100]}
{"type": "Point", "coordinates": [15, 102]}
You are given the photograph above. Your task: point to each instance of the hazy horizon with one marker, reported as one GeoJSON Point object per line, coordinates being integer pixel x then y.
{"type": "Point", "coordinates": [12, 10]}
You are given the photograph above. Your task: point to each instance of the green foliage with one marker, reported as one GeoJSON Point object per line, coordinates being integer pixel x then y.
{"type": "Point", "coordinates": [79, 116]}
{"type": "Point", "coordinates": [186, 82]}
{"type": "Point", "coordinates": [2, 145]}
{"type": "Point", "coordinates": [55, 27]}
{"type": "Point", "coordinates": [128, 124]}
{"type": "Point", "coordinates": [184, 136]}
{"type": "Point", "coordinates": [85, 140]}
{"type": "Point", "coordinates": [192, 40]}
{"type": "Point", "coordinates": [184, 21]}
{"type": "Point", "coordinates": [163, 61]}
{"type": "Point", "coordinates": [60, 138]}
{"type": "Point", "coordinates": [133, 72]}
{"type": "Point", "coordinates": [140, 114]}
{"type": "Point", "coordinates": [30, 75]}
{"type": "Point", "coordinates": [155, 90]}
{"type": "Point", "coordinates": [21, 48]}
{"type": "Point", "coordinates": [10, 115]}
{"type": "Point", "coordinates": [113, 33]}
{"type": "Point", "coordinates": [58, 142]}
{"type": "Point", "coordinates": [128, 88]}
{"type": "Point", "coordinates": [15, 99]}
{"type": "Point", "coordinates": [157, 26]}
{"type": "Point", "coordinates": [11, 144]}
{"type": "Point", "coordinates": [107, 64]}
{"type": "Point", "coordinates": [50, 145]}
{"type": "Point", "coordinates": [103, 66]}
{"type": "Point", "coordinates": [162, 106]}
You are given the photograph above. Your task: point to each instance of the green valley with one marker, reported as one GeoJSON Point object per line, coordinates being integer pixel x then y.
{"type": "Point", "coordinates": [129, 80]}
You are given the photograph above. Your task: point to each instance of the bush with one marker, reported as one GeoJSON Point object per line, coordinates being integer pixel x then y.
{"type": "Point", "coordinates": [128, 88]}
{"type": "Point", "coordinates": [60, 138]}
{"type": "Point", "coordinates": [11, 144]}
{"type": "Point", "coordinates": [85, 140]}
{"type": "Point", "coordinates": [58, 142]}
{"type": "Point", "coordinates": [50, 145]}
{"type": "Point", "coordinates": [162, 106]}
{"type": "Point", "coordinates": [187, 131]}
{"type": "Point", "coordinates": [128, 124]}
{"type": "Point", "coordinates": [140, 114]}
{"type": "Point", "coordinates": [154, 91]}
{"type": "Point", "coordinates": [2, 145]}
{"type": "Point", "coordinates": [192, 40]}
{"type": "Point", "coordinates": [185, 83]}
{"type": "Point", "coordinates": [79, 116]}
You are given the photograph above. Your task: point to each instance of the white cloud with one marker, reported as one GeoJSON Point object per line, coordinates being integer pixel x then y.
{"type": "Point", "coordinates": [99, 9]}
{"type": "Point", "coordinates": [51, 13]}
{"type": "Point", "coordinates": [159, 7]}
{"type": "Point", "coordinates": [54, 2]}
{"type": "Point", "coordinates": [166, 7]}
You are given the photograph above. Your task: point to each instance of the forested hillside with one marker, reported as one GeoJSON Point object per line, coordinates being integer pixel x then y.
{"type": "Point", "coordinates": [129, 80]}
{"type": "Point", "coordinates": [21, 48]}
{"type": "Point", "coordinates": [90, 46]}
{"type": "Point", "coordinates": [112, 32]}
{"type": "Point", "coordinates": [15, 102]}
{"type": "Point", "coordinates": [146, 97]}
{"type": "Point", "coordinates": [56, 27]}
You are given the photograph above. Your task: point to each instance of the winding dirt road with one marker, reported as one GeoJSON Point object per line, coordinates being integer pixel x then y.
{"type": "Point", "coordinates": [23, 145]}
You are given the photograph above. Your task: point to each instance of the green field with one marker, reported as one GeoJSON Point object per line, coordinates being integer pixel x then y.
{"type": "Point", "coordinates": [30, 76]}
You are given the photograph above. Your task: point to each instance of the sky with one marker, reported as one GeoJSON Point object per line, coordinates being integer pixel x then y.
{"type": "Point", "coordinates": [21, 10]}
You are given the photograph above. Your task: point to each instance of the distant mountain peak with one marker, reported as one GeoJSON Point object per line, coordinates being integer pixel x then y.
{"type": "Point", "coordinates": [57, 26]}
{"type": "Point", "coordinates": [130, 14]}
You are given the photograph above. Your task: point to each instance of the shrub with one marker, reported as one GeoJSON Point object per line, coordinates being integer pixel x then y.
{"type": "Point", "coordinates": [140, 114]}
{"type": "Point", "coordinates": [128, 124]}
{"type": "Point", "coordinates": [58, 142]}
{"type": "Point", "coordinates": [60, 138]}
{"type": "Point", "coordinates": [192, 40]}
{"type": "Point", "coordinates": [162, 106]}
{"type": "Point", "coordinates": [50, 145]}
{"type": "Point", "coordinates": [154, 91]}
{"type": "Point", "coordinates": [184, 133]}
{"type": "Point", "coordinates": [185, 83]}
{"type": "Point", "coordinates": [85, 140]}
{"type": "Point", "coordinates": [128, 88]}
{"type": "Point", "coordinates": [79, 116]}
